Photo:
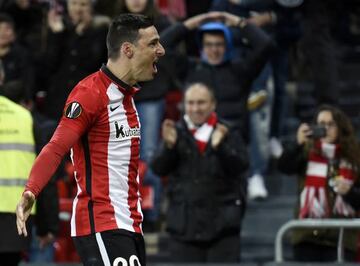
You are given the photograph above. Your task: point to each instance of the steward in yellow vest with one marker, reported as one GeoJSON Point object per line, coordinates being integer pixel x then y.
{"type": "Point", "coordinates": [17, 152]}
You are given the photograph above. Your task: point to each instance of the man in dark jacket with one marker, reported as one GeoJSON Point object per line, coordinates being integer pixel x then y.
{"type": "Point", "coordinates": [204, 159]}
{"type": "Point", "coordinates": [230, 80]}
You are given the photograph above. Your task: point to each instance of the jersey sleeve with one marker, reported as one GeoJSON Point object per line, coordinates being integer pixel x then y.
{"type": "Point", "coordinates": [49, 158]}
{"type": "Point", "coordinates": [81, 109]}
{"type": "Point", "coordinates": [80, 112]}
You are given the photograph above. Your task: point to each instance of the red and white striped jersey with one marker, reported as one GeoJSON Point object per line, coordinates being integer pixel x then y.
{"type": "Point", "coordinates": [101, 109]}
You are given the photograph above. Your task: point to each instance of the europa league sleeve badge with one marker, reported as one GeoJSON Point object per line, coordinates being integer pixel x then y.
{"type": "Point", "coordinates": [73, 110]}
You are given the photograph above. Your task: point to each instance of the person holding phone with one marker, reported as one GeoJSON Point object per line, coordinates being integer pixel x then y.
{"type": "Point", "coordinates": [326, 157]}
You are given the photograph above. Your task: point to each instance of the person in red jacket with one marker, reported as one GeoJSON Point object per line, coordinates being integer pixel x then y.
{"type": "Point", "coordinates": [101, 127]}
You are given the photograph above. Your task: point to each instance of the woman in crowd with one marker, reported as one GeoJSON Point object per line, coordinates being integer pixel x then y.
{"type": "Point", "coordinates": [326, 157]}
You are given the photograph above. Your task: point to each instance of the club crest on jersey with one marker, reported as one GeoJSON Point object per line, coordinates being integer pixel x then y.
{"type": "Point", "coordinates": [122, 132]}
{"type": "Point", "coordinates": [73, 110]}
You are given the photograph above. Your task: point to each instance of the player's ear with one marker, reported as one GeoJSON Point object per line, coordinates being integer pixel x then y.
{"type": "Point", "coordinates": [127, 49]}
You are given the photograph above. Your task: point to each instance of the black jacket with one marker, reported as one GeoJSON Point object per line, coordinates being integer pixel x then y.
{"type": "Point", "coordinates": [231, 81]}
{"type": "Point", "coordinates": [69, 58]}
{"type": "Point", "coordinates": [18, 66]}
{"type": "Point", "coordinates": [205, 199]}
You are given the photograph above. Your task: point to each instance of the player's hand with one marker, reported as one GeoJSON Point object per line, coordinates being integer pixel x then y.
{"type": "Point", "coordinates": [23, 210]}
{"type": "Point", "coordinates": [218, 135]}
{"type": "Point", "coordinates": [169, 133]}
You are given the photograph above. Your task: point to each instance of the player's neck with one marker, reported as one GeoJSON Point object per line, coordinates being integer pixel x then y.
{"type": "Point", "coordinates": [121, 71]}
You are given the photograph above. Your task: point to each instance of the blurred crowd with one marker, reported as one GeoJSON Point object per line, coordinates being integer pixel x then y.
{"type": "Point", "coordinates": [212, 120]}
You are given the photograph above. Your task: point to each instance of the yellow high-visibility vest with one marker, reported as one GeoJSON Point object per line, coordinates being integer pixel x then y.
{"type": "Point", "coordinates": [17, 152]}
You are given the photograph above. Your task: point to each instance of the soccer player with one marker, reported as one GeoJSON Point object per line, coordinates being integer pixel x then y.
{"type": "Point", "coordinates": [101, 127]}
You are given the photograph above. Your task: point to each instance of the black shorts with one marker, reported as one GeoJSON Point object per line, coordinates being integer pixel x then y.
{"type": "Point", "coordinates": [111, 248]}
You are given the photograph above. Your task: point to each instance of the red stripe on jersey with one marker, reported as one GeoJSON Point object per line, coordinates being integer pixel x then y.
{"type": "Point", "coordinates": [133, 198]}
{"type": "Point", "coordinates": [104, 213]}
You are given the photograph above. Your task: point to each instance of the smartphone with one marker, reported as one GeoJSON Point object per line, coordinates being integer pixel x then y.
{"type": "Point", "coordinates": [318, 132]}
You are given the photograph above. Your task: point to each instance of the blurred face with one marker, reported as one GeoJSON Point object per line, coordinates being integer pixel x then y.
{"type": "Point", "coordinates": [23, 4]}
{"type": "Point", "coordinates": [79, 10]}
{"type": "Point", "coordinates": [136, 6]}
{"type": "Point", "coordinates": [7, 34]}
{"type": "Point", "coordinates": [325, 119]}
{"type": "Point", "coordinates": [146, 53]}
{"type": "Point", "coordinates": [198, 104]}
{"type": "Point", "coordinates": [214, 48]}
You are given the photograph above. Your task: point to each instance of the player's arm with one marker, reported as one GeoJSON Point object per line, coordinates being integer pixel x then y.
{"type": "Point", "coordinates": [43, 169]}
{"type": "Point", "coordinates": [80, 113]}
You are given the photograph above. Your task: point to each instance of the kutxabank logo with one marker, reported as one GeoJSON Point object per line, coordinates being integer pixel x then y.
{"type": "Point", "coordinates": [126, 132]}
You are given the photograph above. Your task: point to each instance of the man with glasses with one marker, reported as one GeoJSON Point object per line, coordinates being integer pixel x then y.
{"type": "Point", "coordinates": [230, 79]}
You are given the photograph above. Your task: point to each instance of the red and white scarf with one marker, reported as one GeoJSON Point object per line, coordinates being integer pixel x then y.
{"type": "Point", "coordinates": [202, 133]}
{"type": "Point", "coordinates": [313, 198]}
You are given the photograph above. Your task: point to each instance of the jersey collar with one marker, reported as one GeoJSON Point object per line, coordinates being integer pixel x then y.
{"type": "Point", "coordinates": [129, 89]}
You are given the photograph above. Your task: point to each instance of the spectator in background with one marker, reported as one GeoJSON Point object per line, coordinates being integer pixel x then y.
{"type": "Point", "coordinates": [150, 104]}
{"type": "Point", "coordinates": [144, 7]}
{"type": "Point", "coordinates": [267, 101]}
{"type": "Point", "coordinates": [18, 145]}
{"type": "Point", "coordinates": [30, 24]}
{"type": "Point", "coordinates": [15, 58]}
{"type": "Point", "coordinates": [230, 80]}
{"type": "Point", "coordinates": [75, 48]}
{"type": "Point", "coordinates": [319, 49]}
{"type": "Point", "coordinates": [328, 168]}
{"type": "Point", "coordinates": [204, 159]}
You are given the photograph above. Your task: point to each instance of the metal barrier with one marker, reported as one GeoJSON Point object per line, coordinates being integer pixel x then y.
{"type": "Point", "coordinates": [341, 224]}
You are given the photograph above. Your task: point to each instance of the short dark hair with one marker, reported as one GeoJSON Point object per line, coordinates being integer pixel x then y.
{"type": "Point", "coordinates": [5, 18]}
{"type": "Point", "coordinates": [125, 28]}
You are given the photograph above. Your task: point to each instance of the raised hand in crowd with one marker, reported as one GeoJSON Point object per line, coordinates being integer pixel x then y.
{"type": "Point", "coordinates": [303, 134]}
{"type": "Point", "coordinates": [169, 133]}
{"type": "Point", "coordinates": [218, 135]}
{"type": "Point", "coordinates": [261, 19]}
{"type": "Point", "coordinates": [231, 20]}
{"type": "Point", "coordinates": [195, 21]}
{"type": "Point", "coordinates": [227, 18]}
{"type": "Point", "coordinates": [55, 21]}
{"type": "Point", "coordinates": [80, 18]}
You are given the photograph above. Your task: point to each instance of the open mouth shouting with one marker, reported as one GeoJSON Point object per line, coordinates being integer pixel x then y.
{"type": "Point", "coordinates": [154, 65]}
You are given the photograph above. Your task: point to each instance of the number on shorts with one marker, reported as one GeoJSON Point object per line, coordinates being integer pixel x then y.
{"type": "Point", "coordinates": [119, 261]}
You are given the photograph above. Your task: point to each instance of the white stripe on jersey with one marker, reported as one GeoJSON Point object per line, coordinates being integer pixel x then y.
{"type": "Point", "coordinates": [119, 152]}
{"type": "Point", "coordinates": [103, 252]}
{"type": "Point", "coordinates": [73, 215]}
